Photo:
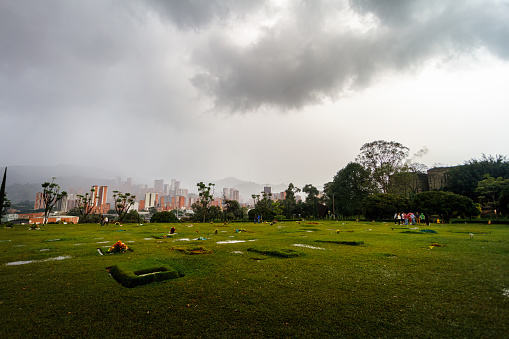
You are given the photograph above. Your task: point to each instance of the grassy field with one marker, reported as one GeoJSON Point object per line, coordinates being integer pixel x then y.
{"type": "Point", "coordinates": [302, 280]}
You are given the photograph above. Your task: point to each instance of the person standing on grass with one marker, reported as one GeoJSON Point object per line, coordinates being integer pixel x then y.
{"type": "Point", "coordinates": [405, 216]}
{"type": "Point", "coordinates": [399, 218]}
{"type": "Point", "coordinates": [395, 218]}
{"type": "Point", "coordinates": [418, 218]}
{"type": "Point", "coordinates": [102, 220]}
{"type": "Point", "coordinates": [106, 221]}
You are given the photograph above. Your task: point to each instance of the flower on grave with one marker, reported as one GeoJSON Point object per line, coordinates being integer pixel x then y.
{"type": "Point", "coordinates": [118, 247]}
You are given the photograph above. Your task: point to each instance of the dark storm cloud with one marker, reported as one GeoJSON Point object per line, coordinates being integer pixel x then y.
{"type": "Point", "coordinates": [66, 63]}
{"type": "Point", "coordinates": [294, 64]}
{"type": "Point", "coordinates": [57, 55]}
{"type": "Point", "coordinates": [195, 14]}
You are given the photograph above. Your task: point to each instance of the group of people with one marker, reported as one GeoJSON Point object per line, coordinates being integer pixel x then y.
{"type": "Point", "coordinates": [104, 221]}
{"type": "Point", "coordinates": [409, 218]}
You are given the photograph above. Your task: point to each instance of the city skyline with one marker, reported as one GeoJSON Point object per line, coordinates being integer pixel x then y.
{"type": "Point", "coordinates": [271, 91]}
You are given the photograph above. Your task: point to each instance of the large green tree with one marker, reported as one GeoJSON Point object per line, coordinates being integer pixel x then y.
{"type": "Point", "coordinates": [444, 204]}
{"type": "Point", "coordinates": [383, 159]}
{"type": "Point", "coordinates": [464, 179]}
{"type": "Point", "coordinates": [289, 202]}
{"type": "Point", "coordinates": [490, 190]}
{"type": "Point", "coordinates": [231, 209]}
{"type": "Point", "coordinates": [311, 199]}
{"type": "Point", "coordinates": [263, 207]}
{"type": "Point", "coordinates": [50, 196]}
{"type": "Point", "coordinates": [201, 208]}
{"type": "Point", "coordinates": [382, 206]}
{"type": "Point", "coordinates": [348, 189]}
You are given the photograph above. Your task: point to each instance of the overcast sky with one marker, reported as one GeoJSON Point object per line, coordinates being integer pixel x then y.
{"type": "Point", "coordinates": [266, 91]}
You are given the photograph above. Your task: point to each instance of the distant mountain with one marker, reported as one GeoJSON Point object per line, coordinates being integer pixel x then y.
{"type": "Point", "coordinates": [23, 182]}
{"type": "Point", "coordinates": [40, 174]}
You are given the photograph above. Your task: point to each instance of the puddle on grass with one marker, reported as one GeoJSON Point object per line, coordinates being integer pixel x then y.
{"type": "Point", "coordinates": [505, 292]}
{"type": "Point", "coordinates": [53, 240]}
{"type": "Point", "coordinates": [15, 263]}
{"type": "Point", "coordinates": [78, 244]}
{"type": "Point", "coordinates": [102, 242]}
{"type": "Point", "coordinates": [237, 252]}
{"type": "Point", "coordinates": [182, 239]}
{"type": "Point", "coordinates": [230, 241]}
{"type": "Point", "coordinates": [44, 250]}
{"type": "Point", "coordinates": [308, 246]}
{"type": "Point", "coordinates": [4, 240]}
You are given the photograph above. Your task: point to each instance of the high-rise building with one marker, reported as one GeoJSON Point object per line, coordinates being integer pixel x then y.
{"type": "Point", "coordinates": [234, 194]}
{"type": "Point", "coordinates": [93, 195]}
{"type": "Point", "coordinates": [181, 192]}
{"type": "Point", "coordinates": [102, 195]}
{"type": "Point", "coordinates": [127, 187]}
{"type": "Point", "coordinates": [181, 202]}
{"type": "Point", "coordinates": [175, 184]}
{"type": "Point", "coordinates": [39, 201]}
{"type": "Point", "coordinates": [151, 199]}
{"type": "Point", "coordinates": [159, 185]}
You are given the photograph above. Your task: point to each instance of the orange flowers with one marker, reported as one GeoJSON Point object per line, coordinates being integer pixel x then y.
{"type": "Point", "coordinates": [118, 247]}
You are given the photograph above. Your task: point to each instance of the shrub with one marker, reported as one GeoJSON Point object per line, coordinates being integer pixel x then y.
{"type": "Point", "coordinates": [163, 217]}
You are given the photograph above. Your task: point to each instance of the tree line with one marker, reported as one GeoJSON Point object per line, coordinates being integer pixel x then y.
{"type": "Point", "coordinates": [380, 181]}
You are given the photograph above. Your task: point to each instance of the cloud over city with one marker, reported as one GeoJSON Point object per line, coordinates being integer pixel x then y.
{"type": "Point", "coordinates": [261, 90]}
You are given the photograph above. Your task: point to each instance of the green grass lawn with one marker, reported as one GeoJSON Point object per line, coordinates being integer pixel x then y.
{"type": "Point", "coordinates": [307, 280]}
